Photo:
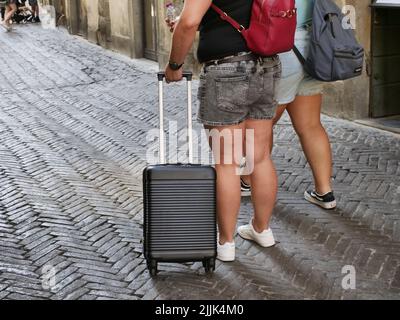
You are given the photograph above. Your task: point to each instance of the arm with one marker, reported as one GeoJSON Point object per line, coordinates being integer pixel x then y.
{"type": "Point", "coordinates": [185, 33]}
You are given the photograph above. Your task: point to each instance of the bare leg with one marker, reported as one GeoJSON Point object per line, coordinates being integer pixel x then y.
{"type": "Point", "coordinates": [305, 113]}
{"type": "Point", "coordinates": [228, 184]}
{"type": "Point", "coordinates": [35, 11]}
{"type": "Point", "coordinates": [264, 179]}
{"type": "Point", "coordinates": [10, 11]}
{"type": "Point", "coordinates": [279, 113]}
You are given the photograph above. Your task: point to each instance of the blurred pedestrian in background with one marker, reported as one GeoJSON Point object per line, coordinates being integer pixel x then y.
{"type": "Point", "coordinates": [10, 9]}
{"type": "Point", "coordinates": [35, 10]}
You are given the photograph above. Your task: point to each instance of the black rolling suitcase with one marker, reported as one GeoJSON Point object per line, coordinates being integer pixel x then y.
{"type": "Point", "coordinates": [179, 205]}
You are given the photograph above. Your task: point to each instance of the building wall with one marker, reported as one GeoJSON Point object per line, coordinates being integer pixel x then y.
{"type": "Point", "coordinates": [93, 20]}
{"type": "Point", "coordinates": [59, 5]}
{"type": "Point", "coordinates": [118, 25]}
{"type": "Point", "coordinates": [113, 24]}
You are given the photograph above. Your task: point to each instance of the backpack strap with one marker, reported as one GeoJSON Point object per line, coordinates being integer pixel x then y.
{"type": "Point", "coordinates": [224, 16]}
{"type": "Point", "coordinates": [299, 55]}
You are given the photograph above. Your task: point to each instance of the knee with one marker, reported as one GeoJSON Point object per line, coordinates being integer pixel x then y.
{"type": "Point", "coordinates": [260, 155]}
{"type": "Point", "coordinates": [311, 129]}
{"type": "Point", "coordinates": [225, 170]}
{"type": "Point", "coordinates": [228, 160]}
{"type": "Point", "coordinates": [259, 152]}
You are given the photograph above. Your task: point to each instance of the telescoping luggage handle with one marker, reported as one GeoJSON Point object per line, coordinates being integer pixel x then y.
{"type": "Point", "coordinates": [189, 77]}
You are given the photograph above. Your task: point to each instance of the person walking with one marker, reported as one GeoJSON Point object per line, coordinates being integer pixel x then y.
{"type": "Point", "coordinates": [35, 10]}
{"type": "Point", "coordinates": [2, 12]}
{"type": "Point", "coordinates": [236, 94]}
{"type": "Point", "coordinates": [11, 8]}
{"type": "Point", "coordinates": [301, 96]}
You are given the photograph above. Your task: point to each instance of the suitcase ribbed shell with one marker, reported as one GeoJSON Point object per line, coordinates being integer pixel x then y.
{"type": "Point", "coordinates": [180, 213]}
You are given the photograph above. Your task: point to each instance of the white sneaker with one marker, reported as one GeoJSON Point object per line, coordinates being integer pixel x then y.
{"type": "Point", "coordinates": [226, 252]}
{"type": "Point", "coordinates": [6, 28]}
{"type": "Point", "coordinates": [265, 239]}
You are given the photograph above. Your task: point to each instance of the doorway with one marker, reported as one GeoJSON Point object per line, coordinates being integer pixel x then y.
{"type": "Point", "coordinates": [150, 30]}
{"type": "Point", "coordinates": [385, 81]}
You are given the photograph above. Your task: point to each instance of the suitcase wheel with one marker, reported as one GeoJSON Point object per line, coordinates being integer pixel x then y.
{"type": "Point", "coordinates": [209, 265]}
{"type": "Point", "coordinates": [152, 265]}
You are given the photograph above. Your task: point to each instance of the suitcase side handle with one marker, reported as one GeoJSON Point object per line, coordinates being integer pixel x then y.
{"type": "Point", "coordinates": [189, 78]}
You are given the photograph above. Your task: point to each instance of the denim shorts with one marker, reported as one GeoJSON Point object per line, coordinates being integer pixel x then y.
{"type": "Point", "coordinates": [231, 93]}
{"type": "Point", "coordinates": [295, 81]}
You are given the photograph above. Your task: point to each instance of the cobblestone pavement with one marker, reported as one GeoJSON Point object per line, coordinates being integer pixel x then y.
{"type": "Point", "coordinates": [73, 124]}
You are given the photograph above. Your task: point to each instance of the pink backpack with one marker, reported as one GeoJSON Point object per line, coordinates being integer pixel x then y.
{"type": "Point", "coordinates": [272, 26]}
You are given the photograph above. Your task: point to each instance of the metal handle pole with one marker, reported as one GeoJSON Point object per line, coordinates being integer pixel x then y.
{"type": "Point", "coordinates": [162, 132]}
{"type": "Point", "coordinates": [190, 120]}
{"type": "Point", "coordinates": [189, 77]}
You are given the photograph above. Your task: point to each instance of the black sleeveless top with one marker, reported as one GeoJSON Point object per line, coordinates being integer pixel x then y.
{"type": "Point", "coordinates": [218, 39]}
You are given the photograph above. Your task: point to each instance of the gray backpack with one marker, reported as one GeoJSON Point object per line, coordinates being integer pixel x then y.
{"type": "Point", "coordinates": [334, 52]}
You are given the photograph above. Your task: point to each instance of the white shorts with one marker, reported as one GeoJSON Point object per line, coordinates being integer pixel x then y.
{"type": "Point", "coordinates": [295, 81]}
